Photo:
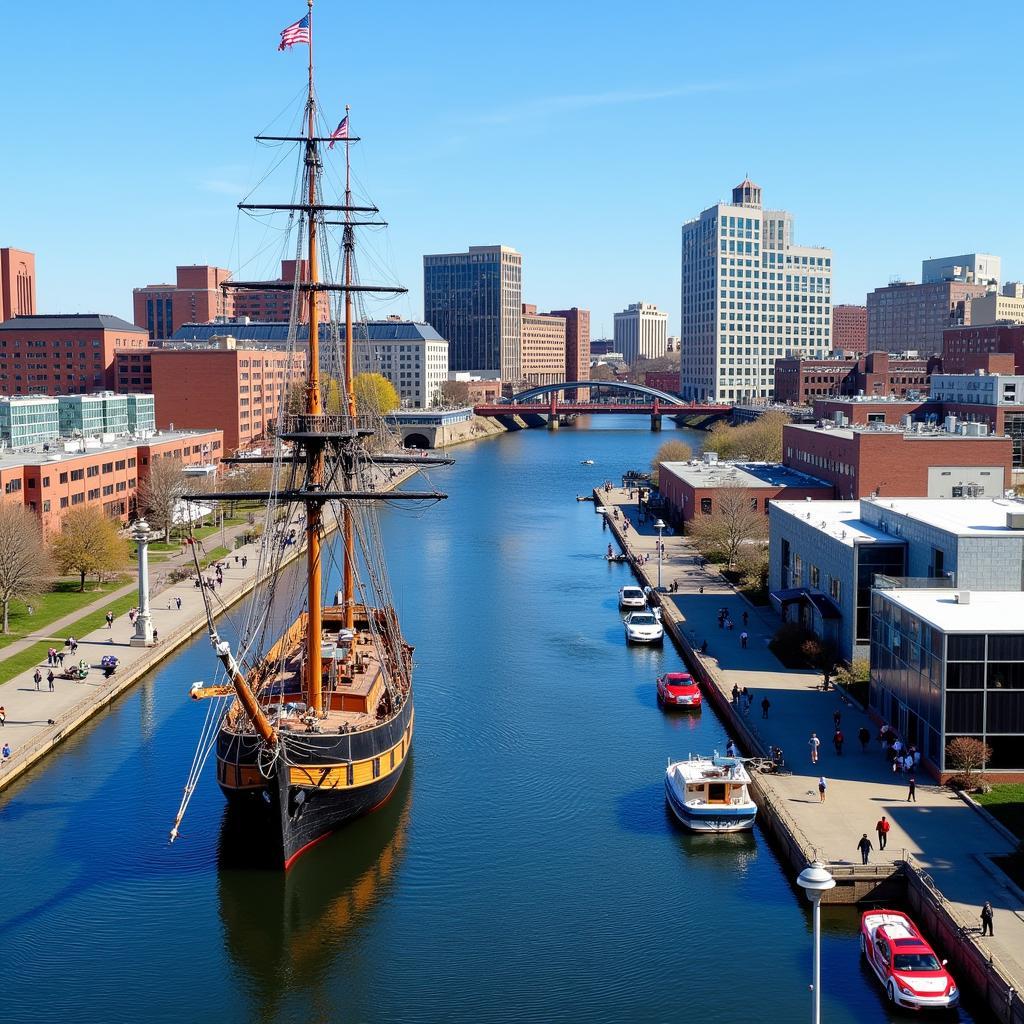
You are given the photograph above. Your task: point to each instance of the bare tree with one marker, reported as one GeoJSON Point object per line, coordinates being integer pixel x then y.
{"type": "Point", "coordinates": [759, 441]}
{"type": "Point", "coordinates": [735, 520]}
{"type": "Point", "coordinates": [25, 566]}
{"type": "Point", "coordinates": [670, 451]}
{"type": "Point", "coordinates": [455, 392]}
{"type": "Point", "coordinates": [162, 493]}
{"type": "Point", "coordinates": [89, 542]}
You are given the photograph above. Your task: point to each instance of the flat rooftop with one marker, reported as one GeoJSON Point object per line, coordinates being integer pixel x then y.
{"type": "Point", "coordinates": [986, 611]}
{"type": "Point", "coordinates": [839, 520]}
{"type": "Point", "coordinates": [926, 433]}
{"type": "Point", "coordinates": [35, 456]}
{"type": "Point", "coordinates": [741, 474]}
{"type": "Point", "coordinates": [965, 517]}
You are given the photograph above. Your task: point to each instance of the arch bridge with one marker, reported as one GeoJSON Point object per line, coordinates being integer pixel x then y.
{"type": "Point", "coordinates": [640, 400]}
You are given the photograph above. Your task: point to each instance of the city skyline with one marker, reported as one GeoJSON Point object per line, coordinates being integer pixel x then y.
{"type": "Point", "coordinates": [523, 161]}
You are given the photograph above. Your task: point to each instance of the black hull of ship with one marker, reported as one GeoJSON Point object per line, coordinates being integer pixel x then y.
{"type": "Point", "coordinates": [278, 819]}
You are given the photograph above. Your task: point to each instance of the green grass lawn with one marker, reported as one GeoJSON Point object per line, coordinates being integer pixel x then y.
{"type": "Point", "coordinates": [1006, 802]}
{"type": "Point", "coordinates": [25, 660]}
{"type": "Point", "coordinates": [64, 599]}
{"type": "Point", "coordinates": [215, 555]}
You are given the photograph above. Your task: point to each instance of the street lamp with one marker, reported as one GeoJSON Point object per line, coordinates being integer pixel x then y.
{"type": "Point", "coordinates": [815, 880]}
{"type": "Point", "coordinates": [659, 526]}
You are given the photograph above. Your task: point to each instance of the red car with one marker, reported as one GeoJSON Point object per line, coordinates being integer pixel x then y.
{"type": "Point", "coordinates": [678, 690]}
{"type": "Point", "coordinates": [913, 976]}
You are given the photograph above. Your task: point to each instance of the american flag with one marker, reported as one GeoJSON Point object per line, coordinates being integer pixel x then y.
{"type": "Point", "coordinates": [297, 33]}
{"type": "Point", "coordinates": [341, 132]}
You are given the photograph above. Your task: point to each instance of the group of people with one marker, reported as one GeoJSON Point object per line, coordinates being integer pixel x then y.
{"type": "Point", "coordinates": [743, 698]}
{"type": "Point", "coordinates": [54, 657]}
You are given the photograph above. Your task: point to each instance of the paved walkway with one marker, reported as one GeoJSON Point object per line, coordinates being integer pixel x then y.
{"type": "Point", "coordinates": [943, 835]}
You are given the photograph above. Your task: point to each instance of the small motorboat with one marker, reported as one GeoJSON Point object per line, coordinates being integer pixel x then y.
{"type": "Point", "coordinates": [617, 558]}
{"type": "Point", "coordinates": [710, 794]}
{"type": "Point", "coordinates": [587, 462]}
{"type": "Point", "coordinates": [584, 497]}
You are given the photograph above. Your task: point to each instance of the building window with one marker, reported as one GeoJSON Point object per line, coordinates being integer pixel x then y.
{"type": "Point", "coordinates": [705, 506]}
{"type": "Point", "coordinates": [835, 589]}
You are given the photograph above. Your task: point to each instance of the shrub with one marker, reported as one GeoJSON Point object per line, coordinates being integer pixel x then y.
{"type": "Point", "coordinates": [968, 757]}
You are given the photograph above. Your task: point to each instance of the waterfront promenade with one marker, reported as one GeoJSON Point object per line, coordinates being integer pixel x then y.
{"type": "Point", "coordinates": [941, 834]}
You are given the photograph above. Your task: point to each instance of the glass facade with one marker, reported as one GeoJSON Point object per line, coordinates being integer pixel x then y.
{"type": "Point", "coordinates": [141, 413]}
{"type": "Point", "coordinates": [932, 686]}
{"type": "Point", "coordinates": [26, 422]}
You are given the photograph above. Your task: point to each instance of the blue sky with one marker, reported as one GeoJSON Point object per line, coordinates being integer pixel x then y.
{"type": "Point", "coordinates": [582, 134]}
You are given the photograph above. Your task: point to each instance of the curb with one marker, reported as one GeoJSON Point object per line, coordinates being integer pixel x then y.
{"type": "Point", "coordinates": [1012, 839]}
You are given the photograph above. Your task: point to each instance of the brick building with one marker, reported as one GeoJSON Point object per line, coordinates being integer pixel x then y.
{"type": "Point", "coordinates": [850, 329]}
{"type": "Point", "coordinates": [271, 303]}
{"type": "Point", "coordinates": [800, 381]}
{"type": "Point", "coordinates": [84, 473]}
{"type": "Point", "coordinates": [663, 380]}
{"type": "Point", "coordinates": [863, 411]}
{"type": "Point", "coordinates": [17, 283]}
{"type": "Point", "coordinates": [577, 345]}
{"type": "Point", "coordinates": [995, 348]}
{"type": "Point", "coordinates": [543, 346]}
{"type": "Point", "coordinates": [904, 315]}
{"type": "Point", "coordinates": [196, 295]}
{"type": "Point", "coordinates": [63, 354]}
{"type": "Point", "coordinates": [917, 462]}
{"type": "Point", "coordinates": [239, 389]}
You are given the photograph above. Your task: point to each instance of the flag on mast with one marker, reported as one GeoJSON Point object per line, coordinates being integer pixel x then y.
{"type": "Point", "coordinates": [341, 132]}
{"type": "Point", "coordinates": [297, 33]}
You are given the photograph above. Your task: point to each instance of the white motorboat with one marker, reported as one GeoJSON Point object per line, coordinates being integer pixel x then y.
{"type": "Point", "coordinates": [587, 462]}
{"type": "Point", "coordinates": [632, 597]}
{"type": "Point", "coordinates": [710, 794]}
{"type": "Point", "coordinates": [643, 628]}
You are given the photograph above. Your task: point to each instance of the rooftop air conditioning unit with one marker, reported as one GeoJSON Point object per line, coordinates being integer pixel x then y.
{"type": "Point", "coordinates": [962, 597]}
{"type": "Point", "coordinates": [710, 458]}
{"type": "Point", "coordinates": [1015, 520]}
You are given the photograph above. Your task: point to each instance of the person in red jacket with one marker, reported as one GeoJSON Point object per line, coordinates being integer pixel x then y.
{"type": "Point", "coordinates": [882, 828]}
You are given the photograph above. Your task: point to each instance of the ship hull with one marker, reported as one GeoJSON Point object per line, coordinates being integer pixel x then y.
{"type": "Point", "coordinates": [319, 784]}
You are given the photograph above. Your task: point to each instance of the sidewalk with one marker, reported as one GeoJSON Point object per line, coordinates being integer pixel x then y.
{"type": "Point", "coordinates": [942, 834]}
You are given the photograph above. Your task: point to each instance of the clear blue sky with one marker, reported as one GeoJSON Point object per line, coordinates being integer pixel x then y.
{"type": "Point", "coordinates": [582, 134]}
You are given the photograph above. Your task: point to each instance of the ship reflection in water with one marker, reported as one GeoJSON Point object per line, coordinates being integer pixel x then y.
{"type": "Point", "coordinates": [283, 930]}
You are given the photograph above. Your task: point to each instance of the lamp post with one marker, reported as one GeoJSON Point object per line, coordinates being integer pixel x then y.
{"type": "Point", "coordinates": [815, 880]}
{"type": "Point", "coordinates": [659, 526]}
{"type": "Point", "coordinates": [143, 535]}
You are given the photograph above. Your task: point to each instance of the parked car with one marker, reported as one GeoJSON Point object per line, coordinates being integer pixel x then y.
{"type": "Point", "coordinates": [643, 628]}
{"type": "Point", "coordinates": [632, 597]}
{"type": "Point", "coordinates": [678, 690]}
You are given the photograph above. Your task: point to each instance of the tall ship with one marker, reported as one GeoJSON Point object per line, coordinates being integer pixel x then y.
{"type": "Point", "coordinates": [311, 720]}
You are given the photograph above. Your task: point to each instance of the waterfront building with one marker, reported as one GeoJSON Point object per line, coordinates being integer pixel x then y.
{"type": "Point", "coordinates": [28, 420]}
{"type": "Point", "coordinates": [694, 489]}
{"type": "Point", "coordinates": [972, 267]}
{"type": "Point", "coordinates": [577, 347]}
{"type": "Point", "coordinates": [63, 354]}
{"type": "Point", "coordinates": [160, 309]}
{"type": "Point", "coordinates": [432, 428]}
{"type": "Point", "coordinates": [17, 283]}
{"type": "Point", "coordinates": [850, 329]}
{"type": "Point", "coordinates": [904, 315]}
{"type": "Point", "coordinates": [543, 347]}
{"type": "Point", "coordinates": [474, 300]}
{"type": "Point", "coordinates": [906, 460]}
{"type": "Point", "coordinates": [749, 296]}
{"type": "Point", "coordinates": [88, 471]}
{"type": "Point", "coordinates": [641, 330]}
{"type": "Point", "coordinates": [413, 356]}
{"type": "Point", "coordinates": [1006, 306]}
{"type": "Point", "coordinates": [948, 663]}
{"type": "Point", "coordinates": [800, 380]}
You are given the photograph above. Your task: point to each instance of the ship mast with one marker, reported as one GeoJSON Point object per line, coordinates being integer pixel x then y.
{"type": "Point", "coordinates": [349, 244]}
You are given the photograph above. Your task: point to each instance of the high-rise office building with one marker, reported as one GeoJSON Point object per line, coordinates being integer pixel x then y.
{"type": "Point", "coordinates": [196, 295]}
{"type": "Point", "coordinates": [543, 347]}
{"type": "Point", "coordinates": [850, 329]}
{"type": "Point", "coordinates": [749, 297]}
{"type": "Point", "coordinates": [641, 329]}
{"type": "Point", "coordinates": [17, 283]}
{"type": "Point", "coordinates": [577, 346]}
{"type": "Point", "coordinates": [475, 300]}
{"type": "Point", "coordinates": [908, 317]}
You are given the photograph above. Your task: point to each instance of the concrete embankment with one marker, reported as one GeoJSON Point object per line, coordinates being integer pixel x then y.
{"type": "Point", "coordinates": [938, 857]}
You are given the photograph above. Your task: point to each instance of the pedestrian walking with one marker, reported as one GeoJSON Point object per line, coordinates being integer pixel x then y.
{"type": "Point", "coordinates": [814, 743]}
{"type": "Point", "coordinates": [156, 636]}
{"type": "Point", "coordinates": [746, 618]}
{"type": "Point", "coordinates": [49, 679]}
{"type": "Point", "coordinates": [822, 789]}
{"type": "Point", "coordinates": [49, 655]}
{"type": "Point", "coordinates": [37, 677]}
{"type": "Point", "coordinates": [912, 789]}
{"type": "Point", "coordinates": [3, 715]}
{"type": "Point", "coordinates": [986, 919]}
{"type": "Point", "coordinates": [60, 658]}
{"type": "Point", "coordinates": [735, 694]}
{"type": "Point", "coordinates": [743, 639]}
{"type": "Point", "coordinates": [837, 741]}
{"type": "Point", "coordinates": [177, 601]}
{"type": "Point", "coordinates": [5, 754]}
{"type": "Point", "coordinates": [765, 705]}
{"type": "Point", "coordinates": [837, 717]}
{"type": "Point", "coordinates": [882, 828]}
{"type": "Point", "coordinates": [865, 848]}
{"type": "Point", "coordinates": [865, 738]}
{"type": "Point", "coordinates": [110, 620]}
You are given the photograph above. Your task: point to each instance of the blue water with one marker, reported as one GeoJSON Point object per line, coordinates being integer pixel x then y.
{"type": "Point", "coordinates": [526, 869]}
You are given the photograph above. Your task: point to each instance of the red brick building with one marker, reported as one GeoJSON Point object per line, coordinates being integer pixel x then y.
{"type": "Point", "coordinates": [860, 412]}
{"type": "Point", "coordinates": [63, 354]}
{"type": "Point", "coordinates": [879, 374]}
{"type": "Point", "coordinates": [239, 389]}
{"type": "Point", "coordinates": [17, 283]}
{"type": "Point", "coordinates": [861, 461]}
{"type": "Point", "coordinates": [106, 476]}
{"type": "Point", "coordinates": [663, 380]}
{"type": "Point", "coordinates": [271, 303]}
{"type": "Point", "coordinates": [577, 345]}
{"type": "Point", "coordinates": [850, 329]}
{"type": "Point", "coordinates": [995, 348]}
{"type": "Point", "coordinates": [196, 295]}
{"type": "Point", "coordinates": [692, 490]}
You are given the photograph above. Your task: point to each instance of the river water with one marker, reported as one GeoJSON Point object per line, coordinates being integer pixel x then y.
{"type": "Point", "coordinates": [526, 869]}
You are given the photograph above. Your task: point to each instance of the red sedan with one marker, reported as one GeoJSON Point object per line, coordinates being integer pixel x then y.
{"type": "Point", "coordinates": [678, 690]}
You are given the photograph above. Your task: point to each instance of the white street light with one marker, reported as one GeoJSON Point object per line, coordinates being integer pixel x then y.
{"type": "Point", "coordinates": [815, 880]}
{"type": "Point", "coordinates": [659, 526]}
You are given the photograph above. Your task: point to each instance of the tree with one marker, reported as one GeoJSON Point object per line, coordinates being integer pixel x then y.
{"type": "Point", "coordinates": [455, 392]}
{"type": "Point", "coordinates": [25, 566]}
{"type": "Point", "coordinates": [375, 395]}
{"type": "Point", "coordinates": [758, 441]}
{"type": "Point", "coordinates": [162, 493]}
{"type": "Point", "coordinates": [670, 451]}
{"type": "Point", "coordinates": [734, 521]}
{"type": "Point", "coordinates": [256, 476]}
{"type": "Point", "coordinates": [602, 371]}
{"type": "Point", "coordinates": [89, 543]}
{"type": "Point", "coordinates": [968, 757]}
{"type": "Point", "coordinates": [332, 397]}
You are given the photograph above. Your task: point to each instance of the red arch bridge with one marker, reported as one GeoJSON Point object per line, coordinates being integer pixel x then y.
{"type": "Point", "coordinates": [548, 402]}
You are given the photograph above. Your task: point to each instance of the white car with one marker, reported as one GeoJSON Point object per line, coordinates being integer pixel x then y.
{"type": "Point", "coordinates": [643, 628]}
{"type": "Point", "coordinates": [632, 597]}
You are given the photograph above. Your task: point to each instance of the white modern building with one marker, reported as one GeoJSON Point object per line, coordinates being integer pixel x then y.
{"type": "Point", "coordinates": [641, 329]}
{"type": "Point", "coordinates": [749, 296]}
{"type": "Point", "coordinates": [969, 268]}
{"type": "Point", "coordinates": [988, 389]}
{"type": "Point", "coordinates": [413, 356]}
